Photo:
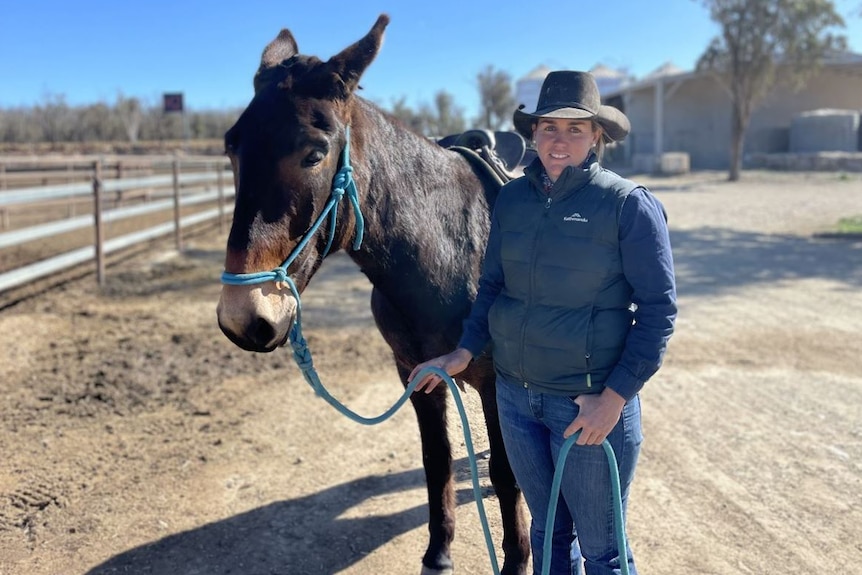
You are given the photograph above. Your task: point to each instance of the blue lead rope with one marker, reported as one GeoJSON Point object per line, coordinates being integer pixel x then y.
{"type": "Point", "coordinates": [302, 356]}
{"type": "Point", "coordinates": [619, 528]}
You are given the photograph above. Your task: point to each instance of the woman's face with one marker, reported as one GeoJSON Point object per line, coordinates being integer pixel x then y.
{"type": "Point", "coordinates": [563, 142]}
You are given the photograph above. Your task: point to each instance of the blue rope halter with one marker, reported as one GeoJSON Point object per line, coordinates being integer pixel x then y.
{"type": "Point", "coordinates": [342, 184]}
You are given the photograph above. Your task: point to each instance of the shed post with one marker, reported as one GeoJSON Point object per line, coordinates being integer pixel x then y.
{"type": "Point", "coordinates": [658, 132]}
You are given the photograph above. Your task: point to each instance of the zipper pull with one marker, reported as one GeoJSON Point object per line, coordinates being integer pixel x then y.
{"type": "Point", "coordinates": [548, 203]}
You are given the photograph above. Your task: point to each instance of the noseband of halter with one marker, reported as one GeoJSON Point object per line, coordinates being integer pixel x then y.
{"type": "Point", "coordinates": [342, 184]}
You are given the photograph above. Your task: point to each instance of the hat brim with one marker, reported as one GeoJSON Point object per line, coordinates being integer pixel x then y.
{"type": "Point", "coordinates": [615, 124]}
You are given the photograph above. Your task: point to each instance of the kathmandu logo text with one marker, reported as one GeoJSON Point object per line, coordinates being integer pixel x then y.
{"type": "Point", "coordinates": [576, 217]}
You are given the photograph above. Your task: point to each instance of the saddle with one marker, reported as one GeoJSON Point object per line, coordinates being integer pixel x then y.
{"type": "Point", "coordinates": [500, 152]}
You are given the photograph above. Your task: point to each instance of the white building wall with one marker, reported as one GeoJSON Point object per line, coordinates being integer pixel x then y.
{"type": "Point", "coordinates": [697, 115]}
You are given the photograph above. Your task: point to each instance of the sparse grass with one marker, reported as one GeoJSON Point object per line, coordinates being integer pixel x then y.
{"type": "Point", "coordinates": [851, 225]}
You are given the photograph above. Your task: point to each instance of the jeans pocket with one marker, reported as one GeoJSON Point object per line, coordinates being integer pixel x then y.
{"type": "Point", "coordinates": [631, 418]}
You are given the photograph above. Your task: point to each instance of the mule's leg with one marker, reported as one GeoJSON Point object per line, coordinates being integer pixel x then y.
{"type": "Point", "coordinates": [516, 535]}
{"type": "Point", "coordinates": [437, 460]}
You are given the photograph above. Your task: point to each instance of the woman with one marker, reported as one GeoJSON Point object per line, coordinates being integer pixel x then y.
{"type": "Point", "coordinates": [578, 300]}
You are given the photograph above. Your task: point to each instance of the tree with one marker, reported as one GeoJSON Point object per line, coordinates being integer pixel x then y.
{"type": "Point", "coordinates": [441, 119]}
{"type": "Point", "coordinates": [447, 117]}
{"type": "Point", "coordinates": [18, 125]}
{"type": "Point", "coordinates": [496, 100]}
{"type": "Point", "coordinates": [757, 37]}
{"type": "Point", "coordinates": [95, 123]}
{"type": "Point", "coordinates": [131, 113]}
{"type": "Point", "coordinates": [406, 115]}
{"type": "Point", "coordinates": [55, 118]}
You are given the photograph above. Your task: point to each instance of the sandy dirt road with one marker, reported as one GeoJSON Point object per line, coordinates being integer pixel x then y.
{"type": "Point", "coordinates": [136, 439]}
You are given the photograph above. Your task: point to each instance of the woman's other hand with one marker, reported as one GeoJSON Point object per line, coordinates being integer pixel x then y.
{"type": "Point", "coordinates": [452, 363]}
{"type": "Point", "coordinates": [597, 416]}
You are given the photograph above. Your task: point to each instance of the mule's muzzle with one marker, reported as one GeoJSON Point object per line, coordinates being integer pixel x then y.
{"type": "Point", "coordinates": [256, 318]}
{"type": "Point", "coordinates": [259, 336]}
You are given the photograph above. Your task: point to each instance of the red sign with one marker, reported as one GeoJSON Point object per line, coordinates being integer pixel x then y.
{"type": "Point", "coordinates": [173, 102]}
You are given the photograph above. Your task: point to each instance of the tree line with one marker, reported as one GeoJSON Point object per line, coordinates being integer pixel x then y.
{"type": "Point", "coordinates": [755, 39]}
{"type": "Point", "coordinates": [129, 119]}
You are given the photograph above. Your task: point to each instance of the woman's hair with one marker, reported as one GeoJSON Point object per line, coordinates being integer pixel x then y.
{"type": "Point", "coordinates": [600, 145]}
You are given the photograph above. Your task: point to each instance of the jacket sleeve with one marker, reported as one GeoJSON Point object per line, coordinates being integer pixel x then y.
{"type": "Point", "coordinates": [476, 335]}
{"type": "Point", "coordinates": [648, 267]}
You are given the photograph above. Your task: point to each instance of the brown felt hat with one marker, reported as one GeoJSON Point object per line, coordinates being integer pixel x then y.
{"type": "Point", "coordinates": [575, 95]}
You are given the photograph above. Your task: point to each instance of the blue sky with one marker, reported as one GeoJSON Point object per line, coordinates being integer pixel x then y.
{"type": "Point", "coordinates": [90, 50]}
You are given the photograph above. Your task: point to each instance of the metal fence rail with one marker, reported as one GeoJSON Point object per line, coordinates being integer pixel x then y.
{"type": "Point", "coordinates": [42, 170]}
{"type": "Point", "coordinates": [32, 233]}
{"type": "Point", "coordinates": [32, 272]}
{"type": "Point", "coordinates": [65, 191]}
{"type": "Point", "coordinates": [175, 192]}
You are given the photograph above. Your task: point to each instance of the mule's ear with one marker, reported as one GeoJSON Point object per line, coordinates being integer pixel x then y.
{"type": "Point", "coordinates": [277, 51]}
{"type": "Point", "coordinates": [351, 62]}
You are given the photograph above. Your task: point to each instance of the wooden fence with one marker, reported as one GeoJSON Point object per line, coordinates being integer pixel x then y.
{"type": "Point", "coordinates": [103, 205]}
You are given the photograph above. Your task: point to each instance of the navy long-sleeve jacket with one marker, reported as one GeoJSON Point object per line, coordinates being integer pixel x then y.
{"type": "Point", "coordinates": [647, 266]}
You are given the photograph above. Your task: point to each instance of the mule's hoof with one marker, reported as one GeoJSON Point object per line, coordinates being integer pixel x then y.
{"type": "Point", "coordinates": [429, 571]}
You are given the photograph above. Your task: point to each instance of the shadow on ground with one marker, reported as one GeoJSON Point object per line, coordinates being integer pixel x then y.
{"type": "Point", "coordinates": [307, 536]}
{"type": "Point", "coordinates": [710, 261]}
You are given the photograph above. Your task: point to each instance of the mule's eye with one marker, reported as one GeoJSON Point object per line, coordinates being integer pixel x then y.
{"type": "Point", "coordinates": [313, 158]}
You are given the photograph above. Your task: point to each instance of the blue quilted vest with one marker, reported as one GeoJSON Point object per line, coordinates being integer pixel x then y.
{"type": "Point", "coordinates": [561, 320]}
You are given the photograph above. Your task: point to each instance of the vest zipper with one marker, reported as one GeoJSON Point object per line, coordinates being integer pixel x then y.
{"type": "Point", "coordinates": [588, 351]}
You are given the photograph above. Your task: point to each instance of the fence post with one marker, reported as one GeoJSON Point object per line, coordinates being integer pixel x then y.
{"type": "Point", "coordinates": [178, 232]}
{"type": "Point", "coordinates": [97, 215]}
{"type": "Point", "coordinates": [4, 214]}
{"type": "Point", "coordinates": [220, 170]}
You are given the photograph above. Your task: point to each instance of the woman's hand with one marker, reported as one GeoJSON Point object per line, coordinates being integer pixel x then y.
{"type": "Point", "coordinates": [597, 416]}
{"type": "Point", "coordinates": [452, 363]}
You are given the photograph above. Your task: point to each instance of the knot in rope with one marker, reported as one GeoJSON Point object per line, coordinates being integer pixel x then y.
{"type": "Point", "coordinates": [344, 183]}
{"type": "Point", "coordinates": [301, 352]}
{"type": "Point", "coordinates": [279, 275]}
{"type": "Point", "coordinates": [343, 180]}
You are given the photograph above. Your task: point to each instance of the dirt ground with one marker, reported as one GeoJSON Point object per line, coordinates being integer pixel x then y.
{"type": "Point", "coordinates": [136, 439]}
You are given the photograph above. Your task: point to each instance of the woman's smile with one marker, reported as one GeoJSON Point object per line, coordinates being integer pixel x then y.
{"type": "Point", "coordinates": [563, 142]}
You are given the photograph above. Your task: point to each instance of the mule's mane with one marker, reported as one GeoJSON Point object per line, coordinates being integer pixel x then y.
{"type": "Point", "coordinates": [426, 208]}
{"type": "Point", "coordinates": [304, 76]}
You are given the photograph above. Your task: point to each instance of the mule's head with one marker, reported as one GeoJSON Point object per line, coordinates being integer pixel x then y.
{"type": "Point", "coordinates": [285, 150]}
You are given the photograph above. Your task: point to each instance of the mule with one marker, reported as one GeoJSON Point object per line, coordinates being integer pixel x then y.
{"type": "Point", "coordinates": [426, 216]}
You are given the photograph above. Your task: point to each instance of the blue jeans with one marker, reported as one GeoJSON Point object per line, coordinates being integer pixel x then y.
{"type": "Point", "coordinates": [533, 425]}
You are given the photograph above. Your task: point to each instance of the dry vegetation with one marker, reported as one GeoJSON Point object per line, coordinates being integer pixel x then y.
{"type": "Point", "coordinates": [190, 147]}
